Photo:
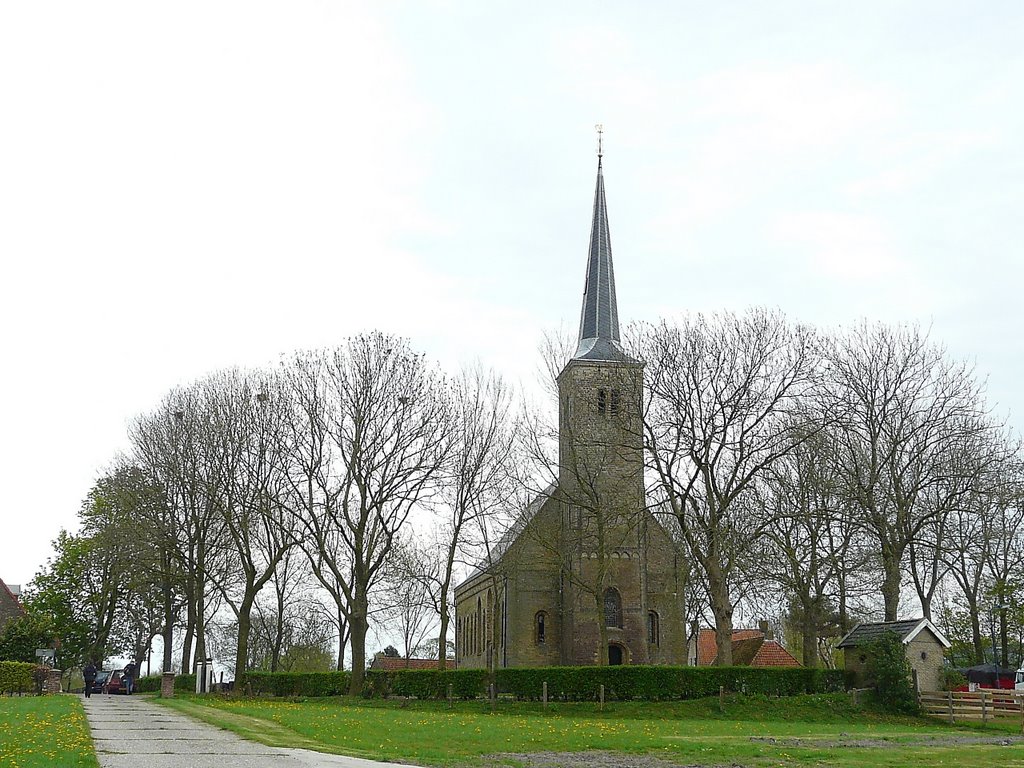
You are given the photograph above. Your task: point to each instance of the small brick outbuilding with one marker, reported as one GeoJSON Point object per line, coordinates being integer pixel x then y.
{"type": "Point", "coordinates": [925, 647]}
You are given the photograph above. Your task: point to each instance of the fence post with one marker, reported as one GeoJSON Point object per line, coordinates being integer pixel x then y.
{"type": "Point", "coordinates": [449, 695]}
{"type": "Point", "coordinates": [544, 695]}
{"type": "Point", "coordinates": [602, 697]}
{"type": "Point", "coordinates": [984, 709]}
{"type": "Point", "coordinates": [949, 702]}
{"type": "Point", "coordinates": [1020, 700]}
{"type": "Point", "coordinates": [721, 698]}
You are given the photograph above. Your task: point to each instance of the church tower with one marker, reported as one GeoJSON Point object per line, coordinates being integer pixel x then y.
{"type": "Point", "coordinates": [601, 474]}
{"type": "Point", "coordinates": [587, 575]}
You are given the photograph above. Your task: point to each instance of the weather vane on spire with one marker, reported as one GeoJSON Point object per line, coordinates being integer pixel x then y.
{"type": "Point", "coordinates": [600, 140]}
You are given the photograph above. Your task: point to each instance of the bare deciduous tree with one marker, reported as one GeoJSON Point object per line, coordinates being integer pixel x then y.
{"type": "Point", "coordinates": [905, 410]}
{"type": "Point", "coordinates": [721, 397]}
{"type": "Point", "coordinates": [370, 443]}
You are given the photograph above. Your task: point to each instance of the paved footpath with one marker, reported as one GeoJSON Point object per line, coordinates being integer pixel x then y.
{"type": "Point", "coordinates": [129, 731]}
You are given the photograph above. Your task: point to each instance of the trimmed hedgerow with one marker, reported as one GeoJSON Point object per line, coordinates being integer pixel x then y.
{"type": "Point", "coordinates": [658, 683]}
{"type": "Point", "coordinates": [17, 677]}
{"type": "Point", "coordinates": [185, 683]}
{"type": "Point", "coordinates": [148, 684]}
{"type": "Point", "coordinates": [564, 683]}
{"type": "Point", "coordinates": [433, 683]}
{"type": "Point", "coordinates": [294, 683]}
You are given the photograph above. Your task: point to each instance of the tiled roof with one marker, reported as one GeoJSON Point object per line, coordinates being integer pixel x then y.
{"type": "Point", "coordinates": [707, 651]}
{"type": "Point", "coordinates": [392, 663]}
{"type": "Point", "coordinates": [863, 634]}
{"type": "Point", "coordinates": [771, 654]}
{"type": "Point", "coordinates": [749, 649]}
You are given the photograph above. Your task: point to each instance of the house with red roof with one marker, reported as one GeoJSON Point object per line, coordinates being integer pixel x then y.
{"type": "Point", "coordinates": [750, 648]}
{"type": "Point", "coordinates": [381, 661]}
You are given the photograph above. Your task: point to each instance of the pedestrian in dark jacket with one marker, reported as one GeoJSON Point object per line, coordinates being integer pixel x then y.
{"type": "Point", "coordinates": [89, 673]}
{"type": "Point", "coordinates": [128, 677]}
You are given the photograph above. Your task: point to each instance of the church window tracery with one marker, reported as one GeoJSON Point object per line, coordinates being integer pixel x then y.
{"type": "Point", "coordinates": [612, 608]}
{"type": "Point", "coordinates": [540, 621]}
{"type": "Point", "coordinates": [653, 630]}
{"type": "Point", "coordinates": [602, 401]}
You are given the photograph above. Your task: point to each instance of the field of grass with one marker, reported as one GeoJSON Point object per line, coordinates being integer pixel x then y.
{"type": "Point", "coordinates": [44, 732]}
{"type": "Point", "coordinates": [753, 731]}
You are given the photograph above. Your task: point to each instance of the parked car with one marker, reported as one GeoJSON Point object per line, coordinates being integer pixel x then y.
{"type": "Point", "coordinates": [111, 682]}
{"type": "Point", "coordinates": [100, 681]}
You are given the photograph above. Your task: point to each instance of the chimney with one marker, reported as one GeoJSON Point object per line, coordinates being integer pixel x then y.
{"type": "Point", "coordinates": [766, 629]}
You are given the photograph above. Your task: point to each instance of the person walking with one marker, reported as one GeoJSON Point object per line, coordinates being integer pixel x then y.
{"type": "Point", "coordinates": [89, 673]}
{"type": "Point", "coordinates": [128, 677]}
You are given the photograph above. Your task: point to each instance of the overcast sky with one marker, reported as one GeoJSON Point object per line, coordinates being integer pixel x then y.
{"type": "Point", "coordinates": [189, 186]}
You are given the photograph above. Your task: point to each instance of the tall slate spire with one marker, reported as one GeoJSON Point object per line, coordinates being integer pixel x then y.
{"type": "Point", "coordinates": [599, 322]}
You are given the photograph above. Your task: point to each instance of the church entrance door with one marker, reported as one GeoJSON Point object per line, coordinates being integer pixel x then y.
{"type": "Point", "coordinates": [614, 654]}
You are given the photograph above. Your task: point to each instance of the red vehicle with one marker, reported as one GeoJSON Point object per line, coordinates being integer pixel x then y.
{"type": "Point", "coordinates": [989, 676]}
{"type": "Point", "coordinates": [108, 682]}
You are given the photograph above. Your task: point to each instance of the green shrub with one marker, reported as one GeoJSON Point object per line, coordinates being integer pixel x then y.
{"type": "Point", "coordinates": [148, 684]}
{"type": "Point", "coordinates": [294, 683]}
{"type": "Point", "coordinates": [185, 683]}
{"type": "Point", "coordinates": [888, 667]}
{"type": "Point", "coordinates": [433, 683]}
{"type": "Point", "coordinates": [564, 683]}
{"type": "Point", "coordinates": [951, 679]}
{"type": "Point", "coordinates": [17, 677]}
{"type": "Point", "coordinates": [659, 683]}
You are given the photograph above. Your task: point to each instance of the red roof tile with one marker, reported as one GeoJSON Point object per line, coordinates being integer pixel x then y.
{"type": "Point", "coordinates": [392, 663]}
{"type": "Point", "coordinates": [707, 651]}
{"type": "Point", "coordinates": [771, 654]}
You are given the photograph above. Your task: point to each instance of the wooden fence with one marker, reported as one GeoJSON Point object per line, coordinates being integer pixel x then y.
{"type": "Point", "coordinates": [983, 705]}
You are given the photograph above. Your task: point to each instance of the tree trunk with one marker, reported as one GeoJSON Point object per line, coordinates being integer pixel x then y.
{"type": "Point", "coordinates": [168, 633]}
{"type": "Point", "coordinates": [359, 626]}
{"type": "Point", "coordinates": [810, 640]}
{"type": "Point", "coordinates": [979, 646]}
{"type": "Point", "coordinates": [891, 582]}
{"type": "Point", "coordinates": [244, 628]}
{"type": "Point", "coordinates": [442, 637]}
{"type": "Point", "coordinates": [1004, 639]}
{"type": "Point", "coordinates": [721, 608]}
{"type": "Point", "coordinates": [190, 633]}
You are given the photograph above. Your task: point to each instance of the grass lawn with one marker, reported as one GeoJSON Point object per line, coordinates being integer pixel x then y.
{"type": "Point", "coordinates": [44, 731]}
{"type": "Point", "coordinates": [754, 731]}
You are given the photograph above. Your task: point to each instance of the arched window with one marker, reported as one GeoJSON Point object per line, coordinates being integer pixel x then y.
{"type": "Point", "coordinates": [602, 401]}
{"type": "Point", "coordinates": [615, 401]}
{"type": "Point", "coordinates": [540, 625]}
{"type": "Point", "coordinates": [652, 628]}
{"type": "Point", "coordinates": [612, 608]}
{"type": "Point", "coordinates": [479, 626]}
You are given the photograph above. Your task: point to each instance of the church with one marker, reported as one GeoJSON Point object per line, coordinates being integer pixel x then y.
{"type": "Point", "coordinates": [587, 575]}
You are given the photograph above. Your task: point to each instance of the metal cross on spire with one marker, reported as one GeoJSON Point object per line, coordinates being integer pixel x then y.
{"type": "Point", "coordinates": [600, 140]}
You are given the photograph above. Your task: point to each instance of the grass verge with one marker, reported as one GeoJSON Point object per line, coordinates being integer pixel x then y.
{"type": "Point", "coordinates": [753, 731]}
{"type": "Point", "coordinates": [44, 731]}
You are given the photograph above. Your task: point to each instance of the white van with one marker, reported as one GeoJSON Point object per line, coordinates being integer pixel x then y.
{"type": "Point", "coordinates": [1018, 680]}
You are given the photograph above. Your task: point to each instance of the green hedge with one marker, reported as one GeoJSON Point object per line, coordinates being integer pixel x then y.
{"type": "Point", "coordinates": [151, 684]}
{"type": "Point", "coordinates": [16, 677]}
{"type": "Point", "coordinates": [294, 683]}
{"type": "Point", "coordinates": [148, 684]}
{"type": "Point", "coordinates": [657, 683]}
{"type": "Point", "coordinates": [433, 683]}
{"type": "Point", "coordinates": [564, 683]}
